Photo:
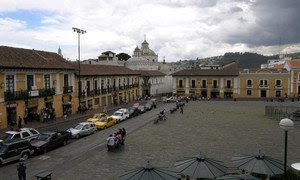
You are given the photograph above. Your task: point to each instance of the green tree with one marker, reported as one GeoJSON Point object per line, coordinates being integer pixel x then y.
{"type": "Point", "coordinates": [123, 56]}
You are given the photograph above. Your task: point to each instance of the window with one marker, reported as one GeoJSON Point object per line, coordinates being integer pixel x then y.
{"type": "Point", "coordinates": [97, 100]}
{"type": "Point", "coordinates": [95, 85]}
{"type": "Point", "coordinates": [88, 86]}
{"type": "Point", "coordinates": [25, 134]}
{"type": "Point", "coordinates": [278, 93]}
{"type": "Point", "coordinates": [204, 83]}
{"type": "Point", "coordinates": [249, 83]}
{"type": "Point", "coordinates": [33, 131]}
{"type": "Point", "coordinates": [66, 80]}
{"type": "Point", "coordinates": [47, 81]}
{"type": "Point", "coordinates": [249, 92]}
{"type": "Point", "coordinates": [119, 82]}
{"type": "Point", "coordinates": [30, 82]}
{"type": "Point", "coordinates": [102, 84]}
{"type": "Point", "coordinates": [193, 83]}
{"type": "Point", "coordinates": [263, 83]}
{"type": "Point", "coordinates": [215, 83]}
{"type": "Point", "coordinates": [228, 84]}
{"type": "Point", "coordinates": [278, 82]}
{"type": "Point", "coordinates": [10, 83]}
{"type": "Point", "coordinates": [16, 136]}
{"type": "Point", "coordinates": [180, 83]}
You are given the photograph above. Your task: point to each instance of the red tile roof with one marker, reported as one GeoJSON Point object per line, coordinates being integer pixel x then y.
{"type": "Point", "coordinates": [294, 63]}
{"type": "Point", "coordinates": [11, 57]}
{"type": "Point", "coordinates": [151, 73]}
{"type": "Point", "coordinates": [104, 70]}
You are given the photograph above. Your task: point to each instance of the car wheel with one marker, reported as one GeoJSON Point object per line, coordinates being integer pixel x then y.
{"type": "Point", "coordinates": [94, 131]}
{"type": "Point", "coordinates": [45, 150]}
{"type": "Point", "coordinates": [65, 142]}
{"type": "Point", "coordinates": [77, 136]}
{"type": "Point", "coordinates": [25, 156]}
{"type": "Point", "coordinates": [1, 163]}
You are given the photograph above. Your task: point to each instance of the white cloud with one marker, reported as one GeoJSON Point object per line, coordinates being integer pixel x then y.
{"type": "Point", "coordinates": [177, 29]}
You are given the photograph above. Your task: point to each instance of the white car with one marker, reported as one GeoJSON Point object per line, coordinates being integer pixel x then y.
{"type": "Point", "coordinates": [170, 99]}
{"type": "Point", "coordinates": [120, 116]}
{"type": "Point", "coordinates": [24, 133]}
{"type": "Point", "coordinates": [83, 129]}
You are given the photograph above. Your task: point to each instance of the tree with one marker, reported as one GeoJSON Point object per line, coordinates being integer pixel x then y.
{"type": "Point", "coordinates": [123, 56]}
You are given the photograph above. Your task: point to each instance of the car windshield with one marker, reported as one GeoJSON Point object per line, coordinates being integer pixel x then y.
{"type": "Point", "coordinates": [79, 127]}
{"type": "Point", "coordinates": [8, 136]}
{"type": "Point", "coordinates": [2, 148]}
{"type": "Point", "coordinates": [97, 116]}
{"type": "Point", "coordinates": [117, 114]}
{"type": "Point", "coordinates": [43, 137]}
{"type": "Point", "coordinates": [103, 120]}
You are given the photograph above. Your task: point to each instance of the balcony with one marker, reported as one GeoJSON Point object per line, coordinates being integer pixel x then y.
{"type": "Point", "coordinates": [46, 92]}
{"type": "Point", "coordinates": [103, 91]}
{"type": "Point", "coordinates": [278, 87]}
{"type": "Point", "coordinates": [262, 86]}
{"type": "Point", "coordinates": [249, 86]}
{"type": "Point", "coordinates": [90, 93]}
{"type": "Point", "coordinates": [26, 94]}
{"type": "Point", "coordinates": [68, 89]}
{"type": "Point", "coordinates": [228, 87]}
{"type": "Point", "coordinates": [97, 92]}
{"type": "Point", "coordinates": [16, 95]}
{"type": "Point", "coordinates": [203, 86]}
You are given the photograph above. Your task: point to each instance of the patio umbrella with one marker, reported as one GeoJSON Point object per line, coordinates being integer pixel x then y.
{"type": "Point", "coordinates": [260, 164]}
{"type": "Point", "coordinates": [238, 177]}
{"type": "Point", "coordinates": [149, 173]}
{"type": "Point", "coordinates": [201, 167]}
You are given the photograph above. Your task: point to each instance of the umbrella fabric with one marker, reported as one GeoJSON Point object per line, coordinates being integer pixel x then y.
{"type": "Point", "coordinates": [259, 164]}
{"type": "Point", "coordinates": [149, 173]}
{"type": "Point", "coordinates": [238, 177]}
{"type": "Point", "coordinates": [201, 167]}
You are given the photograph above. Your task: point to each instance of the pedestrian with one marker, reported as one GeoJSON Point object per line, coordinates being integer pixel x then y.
{"type": "Point", "coordinates": [20, 122]}
{"type": "Point", "coordinates": [124, 132]}
{"type": "Point", "coordinates": [21, 168]}
{"type": "Point", "coordinates": [110, 142]}
{"type": "Point", "coordinates": [181, 109]}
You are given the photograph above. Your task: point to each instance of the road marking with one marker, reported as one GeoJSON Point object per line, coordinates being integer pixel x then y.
{"type": "Point", "coordinates": [44, 157]}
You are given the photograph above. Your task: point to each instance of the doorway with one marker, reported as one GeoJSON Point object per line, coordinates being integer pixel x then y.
{"type": "Point", "coordinates": [263, 93]}
{"type": "Point", "coordinates": [11, 116]}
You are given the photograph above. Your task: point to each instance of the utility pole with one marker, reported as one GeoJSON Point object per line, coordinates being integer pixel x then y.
{"type": "Point", "coordinates": [79, 32]}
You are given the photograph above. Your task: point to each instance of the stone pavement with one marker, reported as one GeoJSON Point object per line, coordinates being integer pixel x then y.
{"type": "Point", "coordinates": [217, 129]}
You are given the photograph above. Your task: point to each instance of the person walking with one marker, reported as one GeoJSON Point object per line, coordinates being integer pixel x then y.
{"type": "Point", "coordinates": [21, 168]}
{"type": "Point", "coordinates": [181, 109]}
{"type": "Point", "coordinates": [20, 122]}
{"type": "Point", "coordinates": [110, 142]}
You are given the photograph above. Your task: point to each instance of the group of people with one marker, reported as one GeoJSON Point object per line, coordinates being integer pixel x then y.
{"type": "Point", "coordinates": [115, 139]}
{"type": "Point", "coordinates": [48, 115]}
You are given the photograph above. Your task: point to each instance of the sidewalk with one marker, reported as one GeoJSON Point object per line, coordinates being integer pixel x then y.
{"type": "Point", "coordinates": [89, 113]}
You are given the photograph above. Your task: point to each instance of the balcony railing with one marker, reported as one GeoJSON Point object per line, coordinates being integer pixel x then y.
{"type": "Point", "coordinates": [68, 89]}
{"type": "Point", "coordinates": [263, 86]}
{"type": "Point", "coordinates": [26, 94]}
{"type": "Point", "coordinates": [203, 86]}
{"type": "Point", "coordinates": [249, 86]}
{"type": "Point", "coordinates": [46, 92]}
{"type": "Point", "coordinates": [278, 87]}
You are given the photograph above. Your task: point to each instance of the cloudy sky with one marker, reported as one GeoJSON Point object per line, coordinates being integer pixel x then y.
{"type": "Point", "coordinates": [176, 29]}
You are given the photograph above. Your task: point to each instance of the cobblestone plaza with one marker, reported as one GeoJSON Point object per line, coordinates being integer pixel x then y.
{"type": "Point", "coordinates": [218, 129]}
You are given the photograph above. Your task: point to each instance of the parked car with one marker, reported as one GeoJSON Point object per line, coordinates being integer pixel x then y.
{"type": "Point", "coordinates": [141, 109]}
{"type": "Point", "coordinates": [24, 133]}
{"type": "Point", "coordinates": [83, 129]}
{"type": "Point", "coordinates": [104, 122]}
{"type": "Point", "coordinates": [136, 105]}
{"type": "Point", "coordinates": [120, 116]}
{"type": "Point", "coordinates": [124, 110]}
{"type": "Point", "coordinates": [50, 140]}
{"type": "Point", "coordinates": [97, 117]}
{"type": "Point", "coordinates": [133, 112]}
{"type": "Point", "coordinates": [148, 105]}
{"type": "Point", "coordinates": [12, 150]}
{"type": "Point", "coordinates": [169, 99]}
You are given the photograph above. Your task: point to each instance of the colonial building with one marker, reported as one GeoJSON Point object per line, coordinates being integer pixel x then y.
{"type": "Point", "coordinates": [31, 80]}
{"type": "Point", "coordinates": [293, 67]}
{"type": "Point", "coordinates": [215, 82]}
{"type": "Point", "coordinates": [106, 58]}
{"type": "Point", "coordinates": [151, 83]}
{"type": "Point", "coordinates": [104, 85]}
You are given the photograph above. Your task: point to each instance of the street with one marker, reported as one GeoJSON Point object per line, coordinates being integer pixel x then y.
{"type": "Point", "coordinates": [61, 159]}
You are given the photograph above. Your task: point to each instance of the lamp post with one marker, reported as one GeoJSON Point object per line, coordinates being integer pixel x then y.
{"type": "Point", "coordinates": [79, 32]}
{"type": "Point", "coordinates": [286, 124]}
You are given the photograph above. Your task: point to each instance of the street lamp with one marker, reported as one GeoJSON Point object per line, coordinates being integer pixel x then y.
{"type": "Point", "coordinates": [286, 124]}
{"type": "Point", "coordinates": [79, 32]}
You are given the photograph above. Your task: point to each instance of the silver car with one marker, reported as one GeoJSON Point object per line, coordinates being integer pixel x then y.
{"type": "Point", "coordinates": [83, 129]}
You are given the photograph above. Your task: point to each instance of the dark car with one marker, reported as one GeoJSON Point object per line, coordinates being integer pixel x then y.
{"type": "Point", "coordinates": [12, 150]}
{"type": "Point", "coordinates": [142, 109]}
{"type": "Point", "coordinates": [148, 105]}
{"type": "Point", "coordinates": [133, 112]}
{"type": "Point", "coordinates": [50, 140]}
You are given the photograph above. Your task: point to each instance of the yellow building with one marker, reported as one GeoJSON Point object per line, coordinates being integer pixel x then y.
{"type": "Point", "coordinates": [293, 67]}
{"type": "Point", "coordinates": [264, 83]}
{"type": "Point", "coordinates": [210, 81]}
{"type": "Point", "coordinates": [105, 85]}
{"type": "Point", "coordinates": [32, 80]}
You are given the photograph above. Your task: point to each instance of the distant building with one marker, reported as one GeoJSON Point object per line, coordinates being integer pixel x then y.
{"type": "Point", "coordinates": [273, 63]}
{"type": "Point", "coordinates": [106, 58]}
